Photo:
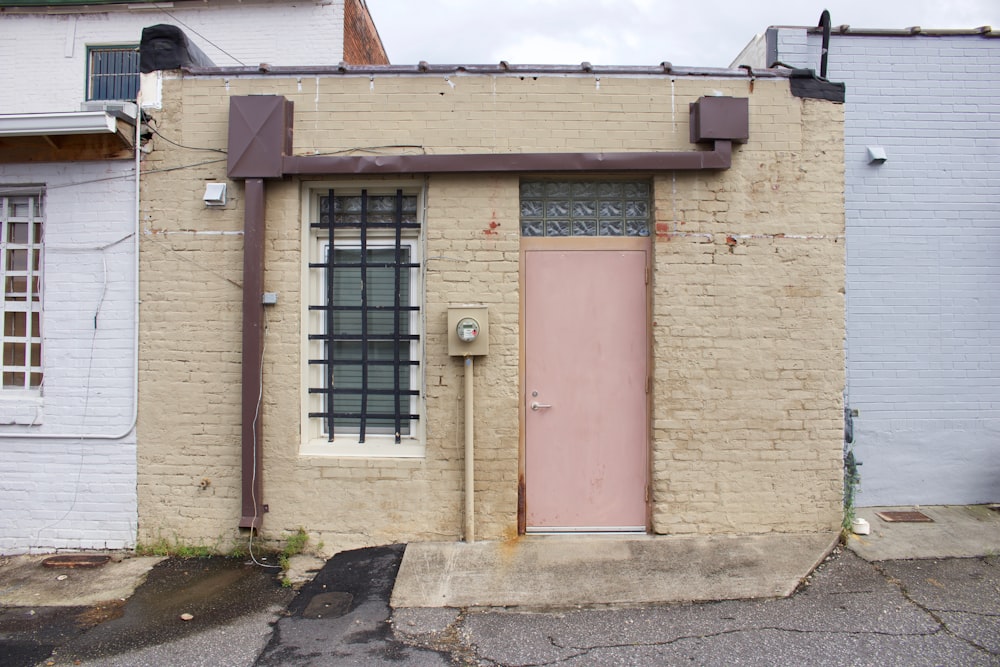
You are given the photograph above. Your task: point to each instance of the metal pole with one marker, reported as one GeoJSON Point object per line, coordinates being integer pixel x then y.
{"type": "Point", "coordinates": [470, 487]}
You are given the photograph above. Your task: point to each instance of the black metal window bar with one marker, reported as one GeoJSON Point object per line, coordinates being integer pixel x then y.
{"type": "Point", "coordinates": [366, 338]}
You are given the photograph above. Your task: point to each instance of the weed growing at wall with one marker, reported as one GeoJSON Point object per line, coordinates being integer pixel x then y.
{"type": "Point", "coordinates": [852, 480]}
{"type": "Point", "coordinates": [295, 545]}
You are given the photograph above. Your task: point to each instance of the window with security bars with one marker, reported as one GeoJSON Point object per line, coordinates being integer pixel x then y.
{"type": "Point", "coordinates": [113, 72]}
{"type": "Point", "coordinates": [21, 227]}
{"type": "Point", "coordinates": [585, 208]}
{"type": "Point", "coordinates": [364, 329]}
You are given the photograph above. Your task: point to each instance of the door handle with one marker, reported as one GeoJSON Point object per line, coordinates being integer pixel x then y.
{"type": "Point", "coordinates": [535, 405]}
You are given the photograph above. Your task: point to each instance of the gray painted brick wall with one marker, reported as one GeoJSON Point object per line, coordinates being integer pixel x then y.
{"type": "Point", "coordinates": [78, 493]}
{"type": "Point", "coordinates": [923, 260]}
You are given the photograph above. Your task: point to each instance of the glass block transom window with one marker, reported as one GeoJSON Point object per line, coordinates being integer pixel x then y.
{"type": "Point", "coordinates": [113, 72]}
{"type": "Point", "coordinates": [21, 230]}
{"type": "Point", "coordinates": [364, 324]}
{"type": "Point", "coordinates": [585, 208]}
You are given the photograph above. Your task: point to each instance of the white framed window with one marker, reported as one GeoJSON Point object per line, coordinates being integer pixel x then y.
{"type": "Point", "coordinates": [113, 72]}
{"type": "Point", "coordinates": [362, 342]}
{"type": "Point", "coordinates": [21, 238]}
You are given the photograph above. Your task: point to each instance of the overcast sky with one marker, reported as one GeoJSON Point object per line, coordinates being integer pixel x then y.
{"type": "Point", "coordinates": [696, 33]}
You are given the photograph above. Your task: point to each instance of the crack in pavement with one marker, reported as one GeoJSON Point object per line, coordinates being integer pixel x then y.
{"type": "Point", "coordinates": [933, 613]}
{"type": "Point", "coordinates": [580, 651]}
{"type": "Point", "coordinates": [468, 641]}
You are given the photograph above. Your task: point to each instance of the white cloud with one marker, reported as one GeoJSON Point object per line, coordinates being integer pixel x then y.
{"type": "Point", "coordinates": [709, 33]}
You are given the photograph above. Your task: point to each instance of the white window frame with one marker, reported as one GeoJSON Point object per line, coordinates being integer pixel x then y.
{"type": "Point", "coordinates": [30, 305]}
{"type": "Point", "coordinates": [315, 242]}
{"type": "Point", "coordinates": [96, 49]}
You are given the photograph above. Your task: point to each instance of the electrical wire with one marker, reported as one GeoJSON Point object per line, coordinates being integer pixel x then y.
{"type": "Point", "coordinates": [190, 148]}
{"type": "Point", "coordinates": [253, 428]}
{"type": "Point", "coordinates": [183, 166]}
{"type": "Point", "coordinates": [86, 405]}
{"type": "Point", "coordinates": [181, 255]}
{"type": "Point", "coordinates": [131, 174]}
{"type": "Point", "coordinates": [372, 149]}
{"type": "Point", "coordinates": [164, 10]}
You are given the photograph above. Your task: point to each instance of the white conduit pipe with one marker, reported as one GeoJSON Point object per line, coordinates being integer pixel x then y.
{"type": "Point", "coordinates": [470, 487]}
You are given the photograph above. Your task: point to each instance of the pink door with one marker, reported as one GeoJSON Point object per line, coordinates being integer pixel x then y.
{"type": "Point", "coordinates": [586, 423]}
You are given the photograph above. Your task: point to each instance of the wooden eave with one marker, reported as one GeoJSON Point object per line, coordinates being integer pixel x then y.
{"type": "Point", "coordinates": [56, 145]}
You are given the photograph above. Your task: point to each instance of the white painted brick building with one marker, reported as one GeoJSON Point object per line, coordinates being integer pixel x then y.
{"type": "Point", "coordinates": [229, 33]}
{"type": "Point", "coordinates": [923, 253]}
{"type": "Point", "coordinates": [68, 399]}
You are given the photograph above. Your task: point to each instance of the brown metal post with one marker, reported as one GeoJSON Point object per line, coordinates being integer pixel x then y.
{"type": "Point", "coordinates": [253, 348]}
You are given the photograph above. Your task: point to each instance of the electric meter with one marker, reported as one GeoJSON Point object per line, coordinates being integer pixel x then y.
{"type": "Point", "coordinates": [467, 329]}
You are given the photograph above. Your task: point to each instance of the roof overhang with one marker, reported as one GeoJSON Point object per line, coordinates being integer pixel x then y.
{"type": "Point", "coordinates": [66, 136]}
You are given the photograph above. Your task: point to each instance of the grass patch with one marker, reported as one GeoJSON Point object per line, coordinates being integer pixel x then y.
{"type": "Point", "coordinates": [173, 548]}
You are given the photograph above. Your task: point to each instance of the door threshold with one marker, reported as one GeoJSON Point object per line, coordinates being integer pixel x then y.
{"type": "Point", "coordinates": [586, 530]}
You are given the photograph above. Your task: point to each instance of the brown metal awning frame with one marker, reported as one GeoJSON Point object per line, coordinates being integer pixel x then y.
{"type": "Point", "coordinates": [260, 147]}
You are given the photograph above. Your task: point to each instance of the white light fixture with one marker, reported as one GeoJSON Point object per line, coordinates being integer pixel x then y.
{"type": "Point", "coordinates": [876, 155]}
{"type": "Point", "coordinates": [215, 194]}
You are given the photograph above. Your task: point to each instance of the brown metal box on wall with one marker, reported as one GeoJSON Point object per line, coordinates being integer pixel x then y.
{"type": "Point", "coordinates": [260, 135]}
{"type": "Point", "coordinates": [720, 118]}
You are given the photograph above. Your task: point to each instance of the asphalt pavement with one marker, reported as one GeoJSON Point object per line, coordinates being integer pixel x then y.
{"type": "Point", "coordinates": [934, 610]}
{"type": "Point", "coordinates": [849, 612]}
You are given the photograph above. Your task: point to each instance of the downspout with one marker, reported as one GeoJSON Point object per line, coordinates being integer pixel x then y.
{"type": "Point", "coordinates": [260, 133]}
{"type": "Point", "coordinates": [253, 348]}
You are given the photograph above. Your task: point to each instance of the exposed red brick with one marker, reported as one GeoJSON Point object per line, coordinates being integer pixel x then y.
{"type": "Point", "coordinates": [362, 45]}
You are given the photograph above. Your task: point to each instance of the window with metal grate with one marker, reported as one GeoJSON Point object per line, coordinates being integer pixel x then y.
{"type": "Point", "coordinates": [113, 72]}
{"type": "Point", "coordinates": [366, 340]}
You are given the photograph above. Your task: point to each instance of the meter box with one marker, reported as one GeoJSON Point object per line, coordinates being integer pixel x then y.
{"type": "Point", "coordinates": [468, 330]}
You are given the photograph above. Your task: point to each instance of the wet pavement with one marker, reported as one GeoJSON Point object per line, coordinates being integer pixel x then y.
{"type": "Point", "coordinates": [850, 611]}
{"type": "Point", "coordinates": [221, 596]}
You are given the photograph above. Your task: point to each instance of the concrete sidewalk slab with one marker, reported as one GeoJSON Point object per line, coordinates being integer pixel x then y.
{"type": "Point", "coordinates": [552, 572]}
{"type": "Point", "coordinates": [957, 531]}
{"type": "Point", "coordinates": [24, 582]}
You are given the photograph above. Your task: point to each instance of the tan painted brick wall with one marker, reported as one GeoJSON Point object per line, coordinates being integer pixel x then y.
{"type": "Point", "coordinates": [747, 293]}
{"type": "Point", "coordinates": [749, 331]}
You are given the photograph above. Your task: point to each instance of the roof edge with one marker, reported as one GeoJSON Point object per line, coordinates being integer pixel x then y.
{"type": "Point", "coordinates": [423, 68]}
{"type": "Point", "coordinates": [911, 31]}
